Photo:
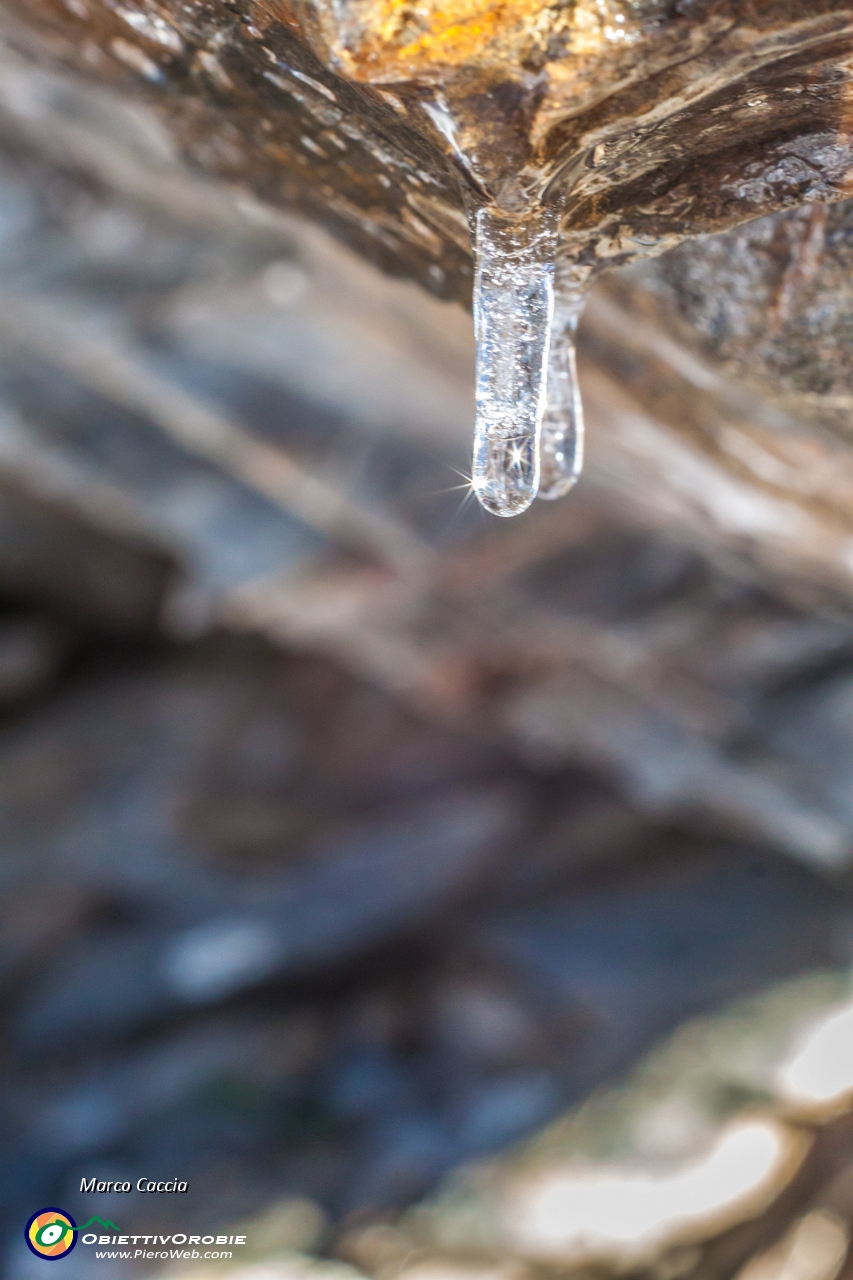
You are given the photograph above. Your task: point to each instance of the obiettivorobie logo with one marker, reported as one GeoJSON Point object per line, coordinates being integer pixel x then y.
{"type": "Point", "coordinates": [52, 1234]}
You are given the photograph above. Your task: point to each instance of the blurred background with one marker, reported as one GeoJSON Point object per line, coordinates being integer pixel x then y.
{"type": "Point", "coordinates": [442, 898]}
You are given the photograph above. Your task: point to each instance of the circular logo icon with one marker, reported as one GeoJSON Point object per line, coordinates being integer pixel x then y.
{"type": "Point", "coordinates": [51, 1234]}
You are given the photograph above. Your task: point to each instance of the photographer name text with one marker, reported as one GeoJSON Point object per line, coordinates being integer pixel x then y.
{"type": "Point", "coordinates": [146, 1185]}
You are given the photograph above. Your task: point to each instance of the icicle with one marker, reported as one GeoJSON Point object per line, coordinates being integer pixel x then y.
{"type": "Point", "coordinates": [513, 310]}
{"type": "Point", "coordinates": [561, 440]}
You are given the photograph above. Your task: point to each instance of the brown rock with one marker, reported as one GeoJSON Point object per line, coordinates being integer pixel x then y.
{"type": "Point", "coordinates": [660, 119]}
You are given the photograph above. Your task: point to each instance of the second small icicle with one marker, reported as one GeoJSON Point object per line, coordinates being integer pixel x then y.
{"type": "Point", "coordinates": [561, 440]}
{"type": "Point", "coordinates": [513, 313]}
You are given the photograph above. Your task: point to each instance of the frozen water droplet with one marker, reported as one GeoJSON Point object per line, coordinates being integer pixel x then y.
{"type": "Point", "coordinates": [561, 438]}
{"type": "Point", "coordinates": [513, 310]}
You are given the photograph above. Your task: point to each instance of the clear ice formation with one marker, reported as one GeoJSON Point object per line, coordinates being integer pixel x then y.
{"type": "Point", "coordinates": [513, 313]}
{"type": "Point", "coordinates": [561, 436]}
{"type": "Point", "coordinates": [529, 433]}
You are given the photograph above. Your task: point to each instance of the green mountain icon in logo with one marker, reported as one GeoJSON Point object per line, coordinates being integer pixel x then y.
{"type": "Point", "coordinates": [105, 1222]}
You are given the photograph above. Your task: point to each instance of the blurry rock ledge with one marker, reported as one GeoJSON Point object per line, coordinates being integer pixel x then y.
{"type": "Point", "coordinates": [727, 1152]}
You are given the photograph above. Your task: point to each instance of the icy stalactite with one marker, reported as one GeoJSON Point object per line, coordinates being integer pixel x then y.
{"type": "Point", "coordinates": [513, 313]}
{"type": "Point", "coordinates": [561, 438]}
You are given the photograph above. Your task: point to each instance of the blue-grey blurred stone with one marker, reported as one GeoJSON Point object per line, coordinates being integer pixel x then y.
{"type": "Point", "coordinates": [810, 730]}
{"type": "Point", "coordinates": [156, 790]}
{"type": "Point", "coordinates": [506, 1108]}
{"type": "Point", "coordinates": [31, 651]}
{"type": "Point", "coordinates": [57, 561]}
{"type": "Point", "coordinates": [633, 959]}
{"type": "Point", "coordinates": [362, 888]}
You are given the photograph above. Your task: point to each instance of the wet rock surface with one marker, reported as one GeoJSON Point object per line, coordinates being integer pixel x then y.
{"type": "Point", "coordinates": [661, 120]}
